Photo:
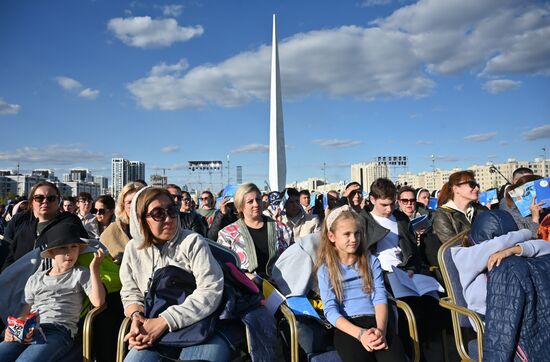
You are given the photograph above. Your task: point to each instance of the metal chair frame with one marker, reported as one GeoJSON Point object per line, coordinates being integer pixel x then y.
{"type": "Point", "coordinates": [450, 303]}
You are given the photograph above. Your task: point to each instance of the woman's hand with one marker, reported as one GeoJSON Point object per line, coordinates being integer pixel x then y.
{"type": "Point", "coordinates": [496, 258]}
{"type": "Point", "coordinates": [223, 205]}
{"type": "Point", "coordinates": [153, 328]}
{"type": "Point", "coordinates": [536, 209]}
{"type": "Point", "coordinates": [135, 335]}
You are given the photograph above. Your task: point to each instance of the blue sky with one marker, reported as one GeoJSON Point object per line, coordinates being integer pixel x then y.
{"type": "Point", "coordinates": [166, 82]}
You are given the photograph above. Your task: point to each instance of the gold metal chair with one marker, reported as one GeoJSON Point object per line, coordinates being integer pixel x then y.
{"type": "Point", "coordinates": [87, 333]}
{"type": "Point", "coordinates": [455, 302]}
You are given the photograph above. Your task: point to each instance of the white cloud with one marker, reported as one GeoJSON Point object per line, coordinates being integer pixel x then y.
{"type": "Point", "coordinates": [500, 85]}
{"type": "Point", "coordinates": [498, 36]}
{"type": "Point", "coordinates": [68, 83]}
{"type": "Point", "coordinates": [170, 149]}
{"type": "Point", "coordinates": [537, 133]}
{"type": "Point", "coordinates": [166, 69]}
{"type": "Point", "coordinates": [89, 93]}
{"type": "Point", "coordinates": [66, 154]}
{"type": "Point", "coordinates": [336, 143]}
{"type": "Point", "coordinates": [72, 85]}
{"type": "Point", "coordinates": [252, 148]}
{"type": "Point", "coordinates": [144, 32]}
{"type": "Point", "coordinates": [347, 61]}
{"type": "Point", "coordinates": [480, 137]}
{"type": "Point", "coordinates": [393, 57]}
{"type": "Point", "coordinates": [369, 3]}
{"type": "Point", "coordinates": [424, 143]}
{"type": "Point", "coordinates": [8, 108]}
{"type": "Point", "coordinates": [172, 10]}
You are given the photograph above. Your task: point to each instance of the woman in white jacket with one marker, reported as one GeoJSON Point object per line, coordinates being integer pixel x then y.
{"type": "Point", "coordinates": [159, 241]}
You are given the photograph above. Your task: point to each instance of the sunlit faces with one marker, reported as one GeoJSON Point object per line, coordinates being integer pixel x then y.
{"type": "Point", "coordinates": [65, 256]}
{"type": "Point", "coordinates": [45, 202]}
{"type": "Point", "coordinates": [103, 215]}
{"type": "Point", "coordinates": [304, 200]}
{"type": "Point", "coordinates": [468, 189]}
{"type": "Point", "coordinates": [346, 237]}
{"type": "Point", "coordinates": [252, 206]}
{"type": "Point", "coordinates": [356, 198]}
{"type": "Point", "coordinates": [382, 207]}
{"type": "Point", "coordinates": [206, 201]}
{"type": "Point", "coordinates": [162, 230]}
{"type": "Point", "coordinates": [128, 203]}
{"type": "Point", "coordinates": [407, 202]}
{"type": "Point", "coordinates": [69, 206]}
{"type": "Point", "coordinates": [424, 198]}
{"type": "Point", "coordinates": [185, 202]}
{"type": "Point", "coordinates": [84, 206]}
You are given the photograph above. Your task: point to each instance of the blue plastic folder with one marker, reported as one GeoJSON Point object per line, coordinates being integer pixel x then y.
{"type": "Point", "coordinates": [523, 197]}
{"type": "Point", "coordinates": [301, 306]}
{"type": "Point", "coordinates": [542, 190]}
{"type": "Point", "coordinates": [433, 203]}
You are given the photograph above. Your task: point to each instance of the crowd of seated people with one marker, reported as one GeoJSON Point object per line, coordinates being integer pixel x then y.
{"type": "Point", "coordinates": [340, 248]}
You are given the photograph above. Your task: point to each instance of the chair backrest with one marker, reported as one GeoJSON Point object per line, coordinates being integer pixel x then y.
{"type": "Point", "coordinates": [451, 276]}
{"type": "Point", "coordinates": [224, 255]}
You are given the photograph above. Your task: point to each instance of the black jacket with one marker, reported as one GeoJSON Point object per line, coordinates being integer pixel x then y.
{"type": "Point", "coordinates": [407, 242]}
{"type": "Point", "coordinates": [448, 223]}
{"type": "Point", "coordinates": [22, 236]}
{"type": "Point", "coordinates": [219, 222]}
{"type": "Point", "coordinates": [194, 221]}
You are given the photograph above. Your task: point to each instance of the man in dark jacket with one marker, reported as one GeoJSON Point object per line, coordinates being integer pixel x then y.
{"type": "Point", "coordinates": [189, 219]}
{"type": "Point", "coordinates": [387, 230]}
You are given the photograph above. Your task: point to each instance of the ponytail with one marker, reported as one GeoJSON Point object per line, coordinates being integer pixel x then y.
{"type": "Point", "coordinates": [445, 195]}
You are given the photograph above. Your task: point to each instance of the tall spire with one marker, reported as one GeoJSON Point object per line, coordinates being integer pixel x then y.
{"type": "Point", "coordinates": [277, 155]}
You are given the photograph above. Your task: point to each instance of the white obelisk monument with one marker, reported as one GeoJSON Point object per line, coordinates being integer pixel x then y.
{"type": "Point", "coordinates": [277, 155]}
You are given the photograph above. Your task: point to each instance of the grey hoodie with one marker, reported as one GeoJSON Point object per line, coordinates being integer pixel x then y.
{"type": "Point", "coordinates": [187, 250]}
{"type": "Point", "coordinates": [471, 263]}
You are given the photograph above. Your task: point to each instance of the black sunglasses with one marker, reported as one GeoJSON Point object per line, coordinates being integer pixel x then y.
{"type": "Point", "coordinates": [473, 184]}
{"type": "Point", "coordinates": [99, 211]}
{"type": "Point", "coordinates": [177, 197]}
{"type": "Point", "coordinates": [40, 198]}
{"type": "Point", "coordinates": [159, 214]}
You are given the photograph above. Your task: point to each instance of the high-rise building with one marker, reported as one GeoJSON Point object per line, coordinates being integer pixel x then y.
{"type": "Point", "coordinates": [136, 171]}
{"type": "Point", "coordinates": [124, 171]}
{"type": "Point", "coordinates": [119, 174]}
{"type": "Point", "coordinates": [366, 173]}
{"type": "Point", "coordinates": [103, 183]}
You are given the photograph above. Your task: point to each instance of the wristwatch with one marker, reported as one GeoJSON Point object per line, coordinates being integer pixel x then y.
{"type": "Point", "coordinates": [136, 312]}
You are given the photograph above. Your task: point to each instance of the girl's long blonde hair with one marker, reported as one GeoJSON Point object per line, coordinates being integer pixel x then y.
{"type": "Point", "coordinates": [328, 256]}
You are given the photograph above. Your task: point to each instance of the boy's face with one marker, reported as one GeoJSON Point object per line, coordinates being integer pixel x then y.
{"type": "Point", "coordinates": [65, 256]}
{"type": "Point", "coordinates": [382, 207]}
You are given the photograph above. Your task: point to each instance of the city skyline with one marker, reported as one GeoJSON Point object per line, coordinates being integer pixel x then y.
{"type": "Point", "coordinates": [168, 82]}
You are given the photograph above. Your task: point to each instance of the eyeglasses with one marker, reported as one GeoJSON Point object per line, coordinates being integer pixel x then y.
{"type": "Point", "coordinates": [177, 197]}
{"type": "Point", "coordinates": [40, 198]}
{"type": "Point", "coordinates": [99, 211]}
{"type": "Point", "coordinates": [185, 199]}
{"type": "Point", "coordinates": [205, 198]}
{"type": "Point", "coordinates": [159, 214]}
{"type": "Point", "coordinates": [473, 184]}
{"type": "Point", "coordinates": [407, 201]}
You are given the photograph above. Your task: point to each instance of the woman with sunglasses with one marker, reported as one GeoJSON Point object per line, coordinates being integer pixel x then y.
{"type": "Point", "coordinates": [159, 241]}
{"type": "Point", "coordinates": [24, 228]}
{"type": "Point", "coordinates": [407, 202]}
{"type": "Point", "coordinates": [104, 211]}
{"type": "Point", "coordinates": [257, 239]}
{"type": "Point", "coordinates": [457, 205]}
